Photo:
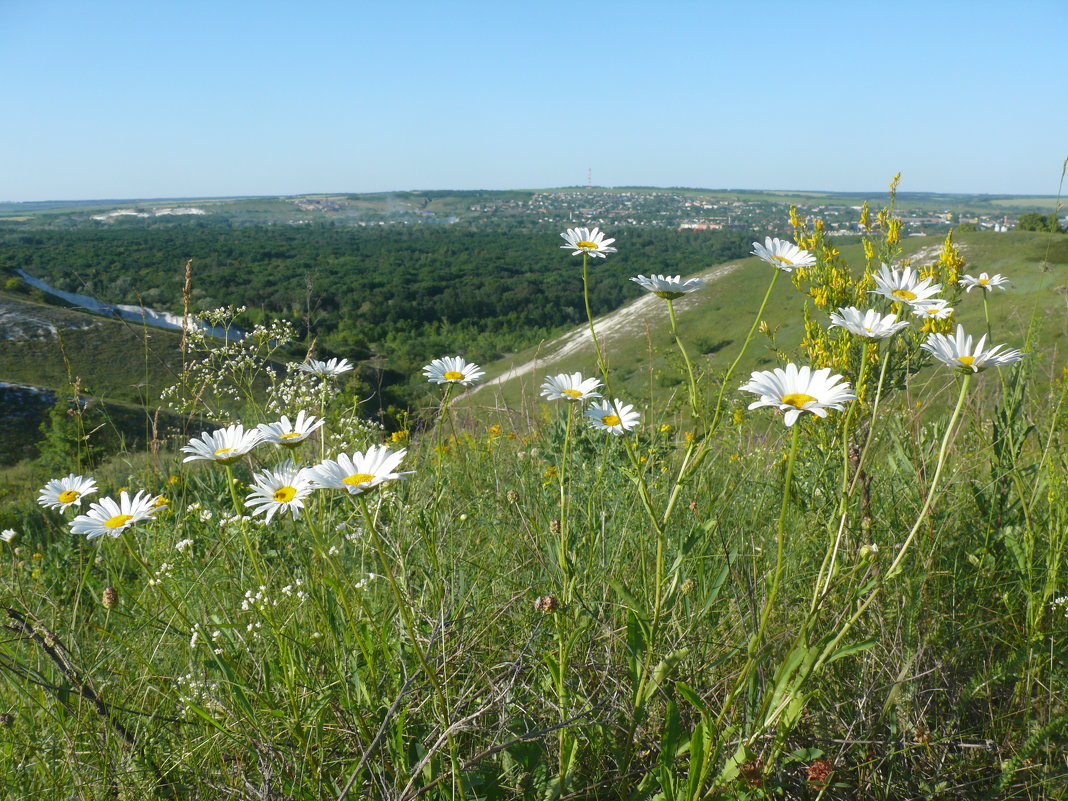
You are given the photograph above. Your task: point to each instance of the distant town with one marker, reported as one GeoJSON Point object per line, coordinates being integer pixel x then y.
{"type": "Point", "coordinates": [683, 209]}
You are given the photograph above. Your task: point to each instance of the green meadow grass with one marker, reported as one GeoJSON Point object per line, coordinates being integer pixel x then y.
{"type": "Point", "coordinates": [715, 320]}
{"type": "Point", "coordinates": [712, 606]}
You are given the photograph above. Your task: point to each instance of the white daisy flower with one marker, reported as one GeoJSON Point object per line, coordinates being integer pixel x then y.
{"type": "Point", "coordinates": [782, 254]}
{"type": "Point", "coordinates": [984, 282]}
{"type": "Point", "coordinates": [287, 434]}
{"type": "Point", "coordinates": [868, 323]}
{"type": "Point", "coordinates": [957, 352]}
{"type": "Point", "coordinates": [615, 416]}
{"type": "Point", "coordinates": [904, 285]}
{"type": "Point", "coordinates": [59, 493]}
{"type": "Point", "coordinates": [570, 387]}
{"type": "Point", "coordinates": [936, 309]}
{"type": "Point", "coordinates": [113, 517]}
{"type": "Point", "coordinates": [668, 287]}
{"type": "Point", "coordinates": [798, 389]}
{"type": "Point", "coordinates": [583, 240]}
{"type": "Point", "coordinates": [328, 369]}
{"type": "Point", "coordinates": [8, 534]}
{"type": "Point", "coordinates": [225, 446]}
{"type": "Point", "coordinates": [360, 472]}
{"type": "Point", "coordinates": [280, 490]}
{"type": "Point", "coordinates": [452, 370]}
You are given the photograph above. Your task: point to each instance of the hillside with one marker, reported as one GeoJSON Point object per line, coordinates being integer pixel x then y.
{"type": "Point", "coordinates": [718, 318]}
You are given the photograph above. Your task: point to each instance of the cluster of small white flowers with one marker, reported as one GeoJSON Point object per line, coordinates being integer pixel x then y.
{"type": "Point", "coordinates": [164, 572]}
{"type": "Point", "coordinates": [192, 690]}
{"type": "Point", "coordinates": [297, 390]}
{"type": "Point", "coordinates": [226, 368]}
{"type": "Point", "coordinates": [353, 433]}
{"type": "Point", "coordinates": [359, 585]}
{"type": "Point", "coordinates": [1060, 604]}
{"type": "Point", "coordinates": [353, 533]}
{"type": "Point", "coordinates": [295, 590]}
{"type": "Point", "coordinates": [257, 600]}
{"type": "Point", "coordinates": [222, 317]}
{"type": "Point", "coordinates": [333, 550]}
{"type": "Point", "coordinates": [183, 545]}
{"type": "Point", "coordinates": [203, 515]}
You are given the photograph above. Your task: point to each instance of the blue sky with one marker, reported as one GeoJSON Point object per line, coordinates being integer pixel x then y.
{"type": "Point", "coordinates": [125, 99]}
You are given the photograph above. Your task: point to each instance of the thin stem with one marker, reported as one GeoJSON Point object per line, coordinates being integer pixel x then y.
{"type": "Point", "coordinates": [601, 364]}
{"type": "Point", "coordinates": [685, 357]}
{"type": "Point", "coordinates": [895, 566]}
{"type": "Point", "coordinates": [780, 538]}
{"type": "Point", "coordinates": [564, 497]}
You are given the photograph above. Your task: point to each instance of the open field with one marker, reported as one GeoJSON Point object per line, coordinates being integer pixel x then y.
{"type": "Point", "coordinates": [548, 600]}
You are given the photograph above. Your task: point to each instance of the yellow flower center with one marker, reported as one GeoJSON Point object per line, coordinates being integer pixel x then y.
{"type": "Point", "coordinates": [933, 311]}
{"type": "Point", "coordinates": [903, 294]}
{"type": "Point", "coordinates": [586, 244]}
{"type": "Point", "coordinates": [797, 399]}
{"type": "Point", "coordinates": [118, 521]}
{"type": "Point", "coordinates": [984, 281]}
{"type": "Point", "coordinates": [783, 259]}
{"type": "Point", "coordinates": [357, 478]}
{"type": "Point", "coordinates": [290, 435]}
{"type": "Point", "coordinates": [571, 393]}
{"type": "Point", "coordinates": [69, 496]}
{"type": "Point", "coordinates": [223, 451]}
{"type": "Point", "coordinates": [967, 361]}
{"type": "Point", "coordinates": [452, 375]}
{"type": "Point", "coordinates": [285, 494]}
{"type": "Point", "coordinates": [610, 420]}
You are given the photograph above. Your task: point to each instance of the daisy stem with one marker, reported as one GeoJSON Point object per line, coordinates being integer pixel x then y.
{"type": "Point", "coordinates": [244, 525]}
{"type": "Point", "coordinates": [780, 538]}
{"type": "Point", "coordinates": [700, 450]}
{"type": "Point", "coordinates": [685, 357]}
{"type": "Point", "coordinates": [848, 488]}
{"type": "Point", "coordinates": [589, 316]}
{"type": "Point", "coordinates": [564, 573]}
{"type": "Point", "coordinates": [233, 490]}
{"type": "Point", "coordinates": [741, 353]}
{"type": "Point", "coordinates": [986, 311]}
{"type": "Point", "coordinates": [895, 566]}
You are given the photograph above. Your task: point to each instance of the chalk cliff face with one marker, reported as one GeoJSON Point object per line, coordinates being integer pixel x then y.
{"type": "Point", "coordinates": [137, 314]}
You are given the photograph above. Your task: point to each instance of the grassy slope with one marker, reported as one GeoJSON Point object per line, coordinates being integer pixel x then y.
{"type": "Point", "coordinates": [116, 358]}
{"type": "Point", "coordinates": [719, 317]}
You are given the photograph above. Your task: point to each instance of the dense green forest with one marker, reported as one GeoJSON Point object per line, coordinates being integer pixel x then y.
{"type": "Point", "coordinates": [396, 297]}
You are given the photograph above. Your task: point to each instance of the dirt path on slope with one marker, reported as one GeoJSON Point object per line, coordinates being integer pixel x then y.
{"type": "Point", "coordinates": [629, 319]}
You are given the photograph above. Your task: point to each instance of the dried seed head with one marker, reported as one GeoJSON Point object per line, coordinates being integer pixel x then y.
{"type": "Point", "coordinates": [752, 772]}
{"type": "Point", "coordinates": [819, 772]}
{"type": "Point", "coordinates": [554, 526]}
{"type": "Point", "coordinates": [7, 720]}
{"type": "Point", "coordinates": [687, 586]}
{"type": "Point", "coordinates": [110, 597]}
{"type": "Point", "coordinates": [513, 496]}
{"type": "Point", "coordinates": [547, 604]}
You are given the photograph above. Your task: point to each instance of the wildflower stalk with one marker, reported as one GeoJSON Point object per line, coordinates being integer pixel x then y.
{"type": "Point", "coordinates": [253, 557]}
{"type": "Point", "coordinates": [601, 364]}
{"type": "Point", "coordinates": [849, 487]}
{"type": "Point", "coordinates": [685, 358]}
{"type": "Point", "coordinates": [564, 498]}
{"type": "Point", "coordinates": [895, 566]}
{"type": "Point", "coordinates": [696, 451]}
{"type": "Point", "coordinates": [780, 538]}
